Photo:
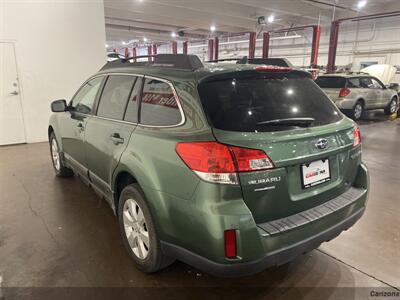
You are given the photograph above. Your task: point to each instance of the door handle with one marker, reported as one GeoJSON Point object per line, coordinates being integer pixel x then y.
{"type": "Point", "coordinates": [117, 139]}
{"type": "Point", "coordinates": [80, 127]}
{"type": "Point", "coordinates": [15, 93]}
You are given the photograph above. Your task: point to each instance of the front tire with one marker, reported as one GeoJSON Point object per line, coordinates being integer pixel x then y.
{"type": "Point", "coordinates": [138, 231]}
{"type": "Point", "coordinates": [392, 107]}
{"type": "Point", "coordinates": [56, 158]}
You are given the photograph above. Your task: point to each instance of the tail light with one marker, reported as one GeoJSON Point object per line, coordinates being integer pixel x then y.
{"type": "Point", "coordinates": [356, 137]}
{"type": "Point", "coordinates": [344, 92]}
{"type": "Point", "coordinates": [219, 163]}
{"type": "Point", "coordinates": [230, 243]}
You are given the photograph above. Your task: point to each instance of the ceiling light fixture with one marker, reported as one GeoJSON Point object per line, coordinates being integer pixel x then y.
{"type": "Point", "coordinates": [270, 19]}
{"type": "Point", "coordinates": [144, 39]}
{"type": "Point", "coordinates": [107, 45]}
{"type": "Point", "coordinates": [361, 3]}
{"type": "Point", "coordinates": [212, 28]}
{"type": "Point", "coordinates": [123, 43]}
{"type": "Point", "coordinates": [173, 34]}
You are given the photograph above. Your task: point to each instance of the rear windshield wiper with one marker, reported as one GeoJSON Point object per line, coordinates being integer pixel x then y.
{"type": "Point", "coordinates": [304, 122]}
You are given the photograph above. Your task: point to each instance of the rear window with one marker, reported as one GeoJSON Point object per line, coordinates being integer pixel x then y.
{"type": "Point", "coordinates": [241, 104]}
{"type": "Point", "coordinates": [333, 82]}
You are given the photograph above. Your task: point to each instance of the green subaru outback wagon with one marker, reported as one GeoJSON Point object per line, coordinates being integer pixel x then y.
{"type": "Point", "coordinates": [230, 168]}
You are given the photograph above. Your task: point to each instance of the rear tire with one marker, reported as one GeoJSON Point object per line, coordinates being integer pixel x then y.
{"type": "Point", "coordinates": [57, 158]}
{"type": "Point", "coordinates": [357, 111]}
{"type": "Point", "coordinates": [138, 231]}
{"type": "Point", "coordinates": [392, 106]}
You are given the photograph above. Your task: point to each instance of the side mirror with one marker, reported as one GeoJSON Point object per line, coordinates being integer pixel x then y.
{"type": "Point", "coordinates": [59, 105]}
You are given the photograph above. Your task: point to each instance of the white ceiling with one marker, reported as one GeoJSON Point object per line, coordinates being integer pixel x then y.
{"type": "Point", "coordinates": [131, 20]}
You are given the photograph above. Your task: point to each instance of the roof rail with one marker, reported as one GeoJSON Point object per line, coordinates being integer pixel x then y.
{"type": "Point", "coordinates": [223, 59]}
{"type": "Point", "coordinates": [280, 62]}
{"type": "Point", "coordinates": [170, 61]}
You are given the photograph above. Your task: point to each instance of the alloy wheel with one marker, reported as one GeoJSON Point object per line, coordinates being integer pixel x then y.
{"type": "Point", "coordinates": [357, 111]}
{"type": "Point", "coordinates": [136, 229]}
{"type": "Point", "coordinates": [393, 106]}
{"type": "Point", "coordinates": [55, 154]}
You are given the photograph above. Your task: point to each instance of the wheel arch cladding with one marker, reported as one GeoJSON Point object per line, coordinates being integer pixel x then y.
{"type": "Point", "coordinates": [122, 179]}
{"type": "Point", "coordinates": [50, 130]}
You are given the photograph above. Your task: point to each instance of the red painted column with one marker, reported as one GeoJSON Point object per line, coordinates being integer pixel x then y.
{"type": "Point", "coordinates": [174, 47]}
{"type": "Point", "coordinates": [134, 53]}
{"type": "Point", "coordinates": [252, 44]}
{"type": "Point", "coordinates": [265, 47]}
{"type": "Point", "coordinates": [154, 49]}
{"type": "Point", "coordinates": [185, 47]}
{"type": "Point", "coordinates": [333, 41]}
{"type": "Point", "coordinates": [126, 53]}
{"type": "Point", "coordinates": [216, 48]}
{"type": "Point", "coordinates": [315, 46]}
{"type": "Point", "coordinates": [149, 53]}
{"type": "Point", "coordinates": [210, 49]}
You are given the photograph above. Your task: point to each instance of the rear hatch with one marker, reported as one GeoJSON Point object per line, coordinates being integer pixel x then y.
{"type": "Point", "coordinates": [273, 112]}
{"type": "Point", "coordinates": [331, 85]}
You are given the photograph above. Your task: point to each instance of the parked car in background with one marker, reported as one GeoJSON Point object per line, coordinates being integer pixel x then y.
{"type": "Point", "coordinates": [201, 164]}
{"type": "Point", "coordinates": [355, 93]}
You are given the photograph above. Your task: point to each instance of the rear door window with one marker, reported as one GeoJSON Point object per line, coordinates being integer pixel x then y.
{"type": "Point", "coordinates": [353, 83]}
{"type": "Point", "coordinates": [158, 105]}
{"type": "Point", "coordinates": [115, 95]}
{"type": "Point", "coordinates": [331, 82]}
{"type": "Point", "coordinates": [243, 104]}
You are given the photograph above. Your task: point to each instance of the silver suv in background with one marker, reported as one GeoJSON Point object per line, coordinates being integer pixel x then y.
{"type": "Point", "coordinates": [355, 93]}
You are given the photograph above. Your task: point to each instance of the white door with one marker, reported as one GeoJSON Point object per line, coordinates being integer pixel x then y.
{"type": "Point", "coordinates": [12, 130]}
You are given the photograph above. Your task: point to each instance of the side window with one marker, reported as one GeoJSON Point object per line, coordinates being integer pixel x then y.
{"type": "Point", "coordinates": [353, 83]}
{"type": "Point", "coordinates": [376, 84]}
{"type": "Point", "coordinates": [158, 106]}
{"type": "Point", "coordinates": [84, 99]}
{"type": "Point", "coordinates": [115, 96]}
{"type": "Point", "coordinates": [366, 83]}
{"type": "Point", "coordinates": [131, 114]}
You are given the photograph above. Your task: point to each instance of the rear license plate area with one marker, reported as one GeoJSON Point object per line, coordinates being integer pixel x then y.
{"type": "Point", "coordinates": [315, 173]}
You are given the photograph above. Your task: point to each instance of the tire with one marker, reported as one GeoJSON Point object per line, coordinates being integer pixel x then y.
{"type": "Point", "coordinates": [357, 111]}
{"type": "Point", "coordinates": [392, 106]}
{"type": "Point", "coordinates": [138, 231]}
{"type": "Point", "coordinates": [56, 158]}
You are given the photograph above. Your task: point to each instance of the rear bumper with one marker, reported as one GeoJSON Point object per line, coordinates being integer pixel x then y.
{"type": "Point", "coordinates": [345, 103]}
{"type": "Point", "coordinates": [277, 257]}
{"type": "Point", "coordinates": [260, 247]}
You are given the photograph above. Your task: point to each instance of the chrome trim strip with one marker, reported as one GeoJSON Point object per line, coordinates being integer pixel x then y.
{"type": "Point", "coordinates": [114, 120]}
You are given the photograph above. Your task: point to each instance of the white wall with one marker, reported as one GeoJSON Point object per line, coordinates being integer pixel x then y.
{"type": "Point", "coordinates": [58, 45]}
